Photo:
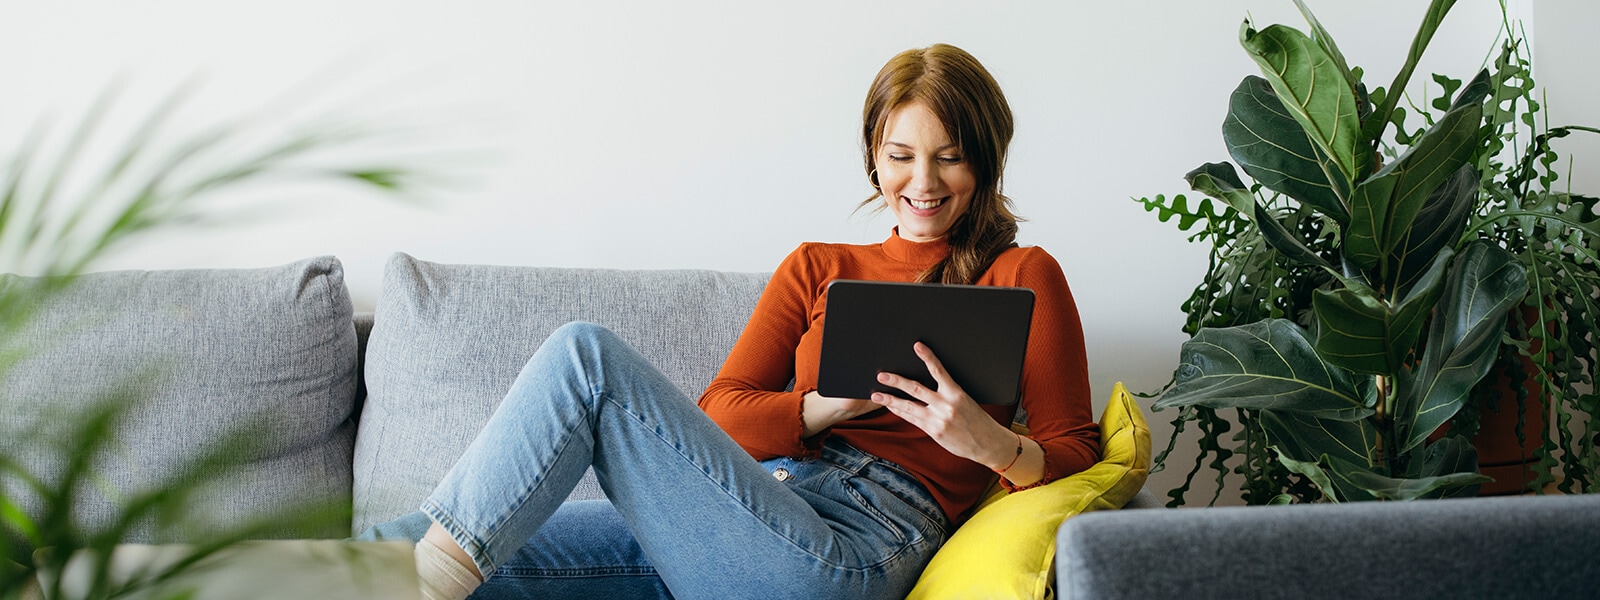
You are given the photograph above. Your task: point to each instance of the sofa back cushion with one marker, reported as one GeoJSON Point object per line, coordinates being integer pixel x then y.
{"type": "Point", "coordinates": [206, 351]}
{"type": "Point", "coordinates": [447, 341]}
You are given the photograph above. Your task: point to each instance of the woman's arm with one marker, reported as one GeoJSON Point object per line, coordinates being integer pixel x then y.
{"type": "Point", "coordinates": [1055, 375]}
{"type": "Point", "coordinates": [747, 397]}
{"type": "Point", "coordinates": [821, 412]}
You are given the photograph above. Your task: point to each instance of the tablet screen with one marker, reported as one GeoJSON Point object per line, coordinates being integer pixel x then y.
{"type": "Point", "coordinates": [979, 333]}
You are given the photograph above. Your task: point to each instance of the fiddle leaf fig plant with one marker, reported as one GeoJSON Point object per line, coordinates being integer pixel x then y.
{"type": "Point", "coordinates": [1357, 295]}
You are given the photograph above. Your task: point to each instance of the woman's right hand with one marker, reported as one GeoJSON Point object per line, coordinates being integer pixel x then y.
{"type": "Point", "coordinates": [820, 412]}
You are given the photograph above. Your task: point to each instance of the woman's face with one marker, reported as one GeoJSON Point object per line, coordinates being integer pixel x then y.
{"type": "Point", "coordinates": [923, 176]}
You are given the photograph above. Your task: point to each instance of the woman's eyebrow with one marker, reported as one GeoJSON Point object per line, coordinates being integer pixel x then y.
{"type": "Point", "coordinates": [949, 146]}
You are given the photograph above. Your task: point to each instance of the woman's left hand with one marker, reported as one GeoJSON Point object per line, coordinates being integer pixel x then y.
{"type": "Point", "coordinates": [948, 414]}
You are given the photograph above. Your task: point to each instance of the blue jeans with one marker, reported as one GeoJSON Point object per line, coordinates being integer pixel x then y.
{"type": "Point", "coordinates": [688, 509]}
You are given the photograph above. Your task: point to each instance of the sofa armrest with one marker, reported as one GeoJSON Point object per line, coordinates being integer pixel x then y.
{"type": "Point", "coordinates": [1144, 499]}
{"type": "Point", "coordinates": [1517, 547]}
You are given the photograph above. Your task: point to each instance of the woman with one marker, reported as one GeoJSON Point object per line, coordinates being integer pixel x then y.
{"type": "Point", "coordinates": [845, 498]}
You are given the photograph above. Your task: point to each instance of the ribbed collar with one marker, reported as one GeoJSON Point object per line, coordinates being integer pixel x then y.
{"type": "Point", "coordinates": [916, 253]}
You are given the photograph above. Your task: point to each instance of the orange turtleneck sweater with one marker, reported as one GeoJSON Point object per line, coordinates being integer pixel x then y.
{"type": "Point", "coordinates": [783, 341]}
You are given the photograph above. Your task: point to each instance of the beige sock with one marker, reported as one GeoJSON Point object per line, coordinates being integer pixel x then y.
{"type": "Point", "coordinates": [440, 576]}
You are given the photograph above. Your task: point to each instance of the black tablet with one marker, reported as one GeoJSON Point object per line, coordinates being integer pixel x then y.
{"type": "Point", "coordinates": [979, 333]}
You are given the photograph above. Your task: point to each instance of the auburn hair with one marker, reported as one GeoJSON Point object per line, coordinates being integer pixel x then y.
{"type": "Point", "coordinates": [968, 101]}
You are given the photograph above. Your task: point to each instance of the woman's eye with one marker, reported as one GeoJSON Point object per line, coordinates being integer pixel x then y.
{"type": "Point", "coordinates": [900, 158]}
{"type": "Point", "coordinates": [950, 160]}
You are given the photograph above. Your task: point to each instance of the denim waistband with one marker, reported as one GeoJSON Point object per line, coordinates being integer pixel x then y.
{"type": "Point", "coordinates": [894, 478]}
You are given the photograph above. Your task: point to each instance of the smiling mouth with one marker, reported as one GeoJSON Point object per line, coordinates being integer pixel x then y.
{"type": "Point", "coordinates": [925, 204]}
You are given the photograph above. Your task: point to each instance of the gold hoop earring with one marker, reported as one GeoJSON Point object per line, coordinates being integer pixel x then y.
{"type": "Point", "coordinates": [872, 178]}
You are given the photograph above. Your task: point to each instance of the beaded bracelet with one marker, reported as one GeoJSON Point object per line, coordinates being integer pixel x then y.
{"type": "Point", "coordinates": [1013, 462]}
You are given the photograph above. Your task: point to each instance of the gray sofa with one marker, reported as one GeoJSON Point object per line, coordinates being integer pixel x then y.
{"type": "Point", "coordinates": [372, 409]}
{"type": "Point", "coordinates": [368, 410]}
{"type": "Point", "coordinates": [1499, 548]}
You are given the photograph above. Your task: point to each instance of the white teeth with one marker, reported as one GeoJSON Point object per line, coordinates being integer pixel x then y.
{"type": "Point", "coordinates": [925, 204]}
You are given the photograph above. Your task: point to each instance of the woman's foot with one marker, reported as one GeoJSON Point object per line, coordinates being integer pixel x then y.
{"type": "Point", "coordinates": [444, 571]}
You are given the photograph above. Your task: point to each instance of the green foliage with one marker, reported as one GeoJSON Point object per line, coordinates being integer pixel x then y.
{"type": "Point", "coordinates": [1203, 212]}
{"type": "Point", "coordinates": [1466, 330]}
{"type": "Point", "coordinates": [45, 544]}
{"type": "Point", "coordinates": [56, 229]}
{"type": "Point", "coordinates": [1353, 304]}
{"type": "Point", "coordinates": [1268, 143]}
{"type": "Point", "coordinates": [1266, 365]}
{"type": "Point", "coordinates": [1310, 86]}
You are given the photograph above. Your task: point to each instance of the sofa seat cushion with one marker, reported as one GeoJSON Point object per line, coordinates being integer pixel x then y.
{"type": "Point", "coordinates": [205, 351]}
{"type": "Point", "coordinates": [448, 340]}
{"type": "Point", "coordinates": [1007, 548]}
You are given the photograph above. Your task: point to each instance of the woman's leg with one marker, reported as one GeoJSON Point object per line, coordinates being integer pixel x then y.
{"type": "Point", "coordinates": [585, 550]}
{"type": "Point", "coordinates": [711, 521]}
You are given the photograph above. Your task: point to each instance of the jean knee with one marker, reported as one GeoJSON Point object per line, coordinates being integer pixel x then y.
{"type": "Point", "coordinates": [578, 334]}
{"type": "Point", "coordinates": [578, 348]}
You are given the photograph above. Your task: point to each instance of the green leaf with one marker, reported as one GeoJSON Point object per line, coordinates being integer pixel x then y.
{"type": "Point", "coordinates": [1475, 91]}
{"type": "Point", "coordinates": [1450, 86]}
{"type": "Point", "coordinates": [1559, 212]}
{"type": "Point", "coordinates": [1179, 208]}
{"type": "Point", "coordinates": [1353, 330]}
{"type": "Point", "coordinates": [1272, 148]}
{"type": "Point", "coordinates": [1220, 181]}
{"type": "Point", "coordinates": [1365, 156]}
{"type": "Point", "coordinates": [1281, 239]}
{"type": "Point", "coordinates": [1313, 89]}
{"type": "Point", "coordinates": [391, 179]}
{"type": "Point", "coordinates": [1383, 207]}
{"type": "Point", "coordinates": [1309, 438]}
{"type": "Point", "coordinates": [1325, 41]}
{"type": "Point", "coordinates": [1363, 243]}
{"type": "Point", "coordinates": [1269, 364]}
{"type": "Point", "coordinates": [1437, 227]}
{"type": "Point", "coordinates": [1311, 470]}
{"type": "Point", "coordinates": [1484, 282]}
{"type": "Point", "coordinates": [1453, 454]}
{"type": "Point", "coordinates": [1364, 333]}
{"type": "Point", "coordinates": [1372, 129]}
{"type": "Point", "coordinates": [1392, 488]}
{"type": "Point", "coordinates": [17, 522]}
{"type": "Point", "coordinates": [1368, 159]}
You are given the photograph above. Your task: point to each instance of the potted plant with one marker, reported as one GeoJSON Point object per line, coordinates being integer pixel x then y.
{"type": "Point", "coordinates": [152, 183]}
{"type": "Point", "coordinates": [1357, 292]}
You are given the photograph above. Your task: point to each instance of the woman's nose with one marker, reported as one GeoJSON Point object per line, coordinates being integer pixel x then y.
{"type": "Point", "coordinates": [924, 177]}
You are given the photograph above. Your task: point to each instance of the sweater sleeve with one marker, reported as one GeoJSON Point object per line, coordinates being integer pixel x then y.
{"type": "Point", "coordinates": [747, 398]}
{"type": "Point", "coordinates": [1055, 374]}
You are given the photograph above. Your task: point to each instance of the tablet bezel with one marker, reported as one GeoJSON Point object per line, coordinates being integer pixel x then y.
{"type": "Point", "coordinates": [979, 334]}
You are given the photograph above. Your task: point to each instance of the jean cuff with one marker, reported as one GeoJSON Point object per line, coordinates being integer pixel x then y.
{"type": "Point", "coordinates": [466, 541]}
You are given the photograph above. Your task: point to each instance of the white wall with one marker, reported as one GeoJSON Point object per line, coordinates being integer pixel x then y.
{"type": "Point", "coordinates": [1565, 52]}
{"type": "Point", "coordinates": [717, 134]}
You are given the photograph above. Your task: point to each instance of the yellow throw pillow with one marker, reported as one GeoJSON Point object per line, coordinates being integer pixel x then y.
{"type": "Point", "coordinates": [1007, 548]}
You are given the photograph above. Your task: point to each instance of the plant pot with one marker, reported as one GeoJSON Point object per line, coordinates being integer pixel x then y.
{"type": "Point", "coordinates": [1500, 454]}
